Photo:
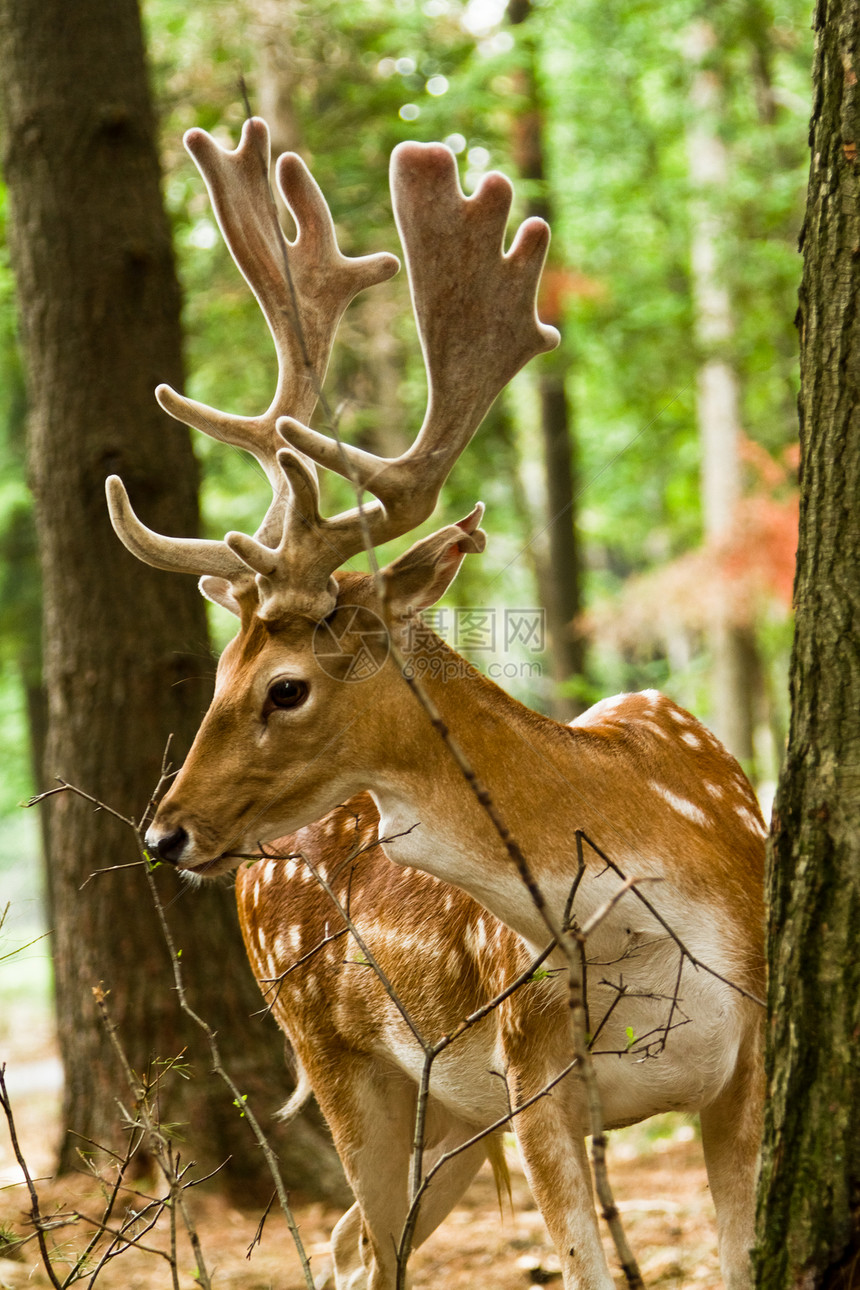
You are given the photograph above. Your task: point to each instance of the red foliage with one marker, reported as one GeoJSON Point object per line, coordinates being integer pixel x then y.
{"type": "Point", "coordinates": [748, 572]}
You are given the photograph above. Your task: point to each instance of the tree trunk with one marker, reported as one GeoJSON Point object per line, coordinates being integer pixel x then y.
{"type": "Point", "coordinates": [733, 651]}
{"type": "Point", "coordinates": [125, 647]}
{"type": "Point", "coordinates": [368, 406]}
{"type": "Point", "coordinates": [809, 1198]}
{"type": "Point", "coordinates": [272, 24]}
{"type": "Point", "coordinates": [561, 583]}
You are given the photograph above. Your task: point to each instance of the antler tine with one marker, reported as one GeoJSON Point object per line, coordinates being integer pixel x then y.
{"type": "Point", "coordinates": [475, 306]}
{"type": "Point", "coordinates": [176, 555]}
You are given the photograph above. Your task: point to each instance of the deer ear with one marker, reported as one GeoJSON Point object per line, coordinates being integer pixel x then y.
{"type": "Point", "coordinates": [422, 574]}
{"type": "Point", "coordinates": [220, 592]}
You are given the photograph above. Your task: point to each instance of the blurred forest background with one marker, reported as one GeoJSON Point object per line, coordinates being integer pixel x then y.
{"type": "Point", "coordinates": [641, 482]}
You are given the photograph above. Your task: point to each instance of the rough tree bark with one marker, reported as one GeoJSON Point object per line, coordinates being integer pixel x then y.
{"type": "Point", "coordinates": [809, 1198]}
{"type": "Point", "coordinates": [126, 656]}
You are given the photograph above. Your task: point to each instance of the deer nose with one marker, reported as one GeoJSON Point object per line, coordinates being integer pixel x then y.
{"type": "Point", "coordinates": [168, 846]}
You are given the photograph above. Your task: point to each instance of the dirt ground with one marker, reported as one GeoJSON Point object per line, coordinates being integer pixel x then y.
{"type": "Point", "coordinates": [656, 1171]}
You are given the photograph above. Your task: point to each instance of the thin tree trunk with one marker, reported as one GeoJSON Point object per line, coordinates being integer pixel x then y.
{"type": "Point", "coordinates": [809, 1216]}
{"type": "Point", "coordinates": [371, 413]}
{"type": "Point", "coordinates": [564, 592]}
{"type": "Point", "coordinates": [125, 647]}
{"type": "Point", "coordinates": [272, 25]}
{"type": "Point", "coordinates": [561, 584]}
{"type": "Point", "coordinates": [732, 647]}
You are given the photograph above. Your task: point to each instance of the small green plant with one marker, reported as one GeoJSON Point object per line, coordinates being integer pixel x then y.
{"type": "Point", "coordinates": [9, 1243]}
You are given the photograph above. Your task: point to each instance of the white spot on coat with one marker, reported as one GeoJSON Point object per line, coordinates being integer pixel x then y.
{"type": "Point", "coordinates": [682, 805]}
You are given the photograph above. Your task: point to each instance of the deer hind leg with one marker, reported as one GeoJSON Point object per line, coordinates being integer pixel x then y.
{"type": "Point", "coordinates": [350, 1243]}
{"type": "Point", "coordinates": [371, 1113]}
{"type": "Point", "coordinates": [551, 1138]}
{"type": "Point", "coordinates": [447, 1132]}
{"type": "Point", "coordinates": [731, 1137]}
{"type": "Point", "coordinates": [370, 1110]}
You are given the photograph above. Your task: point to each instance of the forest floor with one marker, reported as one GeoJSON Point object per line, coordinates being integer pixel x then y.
{"type": "Point", "coordinates": [656, 1170]}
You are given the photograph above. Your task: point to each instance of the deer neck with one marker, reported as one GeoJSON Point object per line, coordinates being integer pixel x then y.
{"type": "Point", "coordinates": [430, 817]}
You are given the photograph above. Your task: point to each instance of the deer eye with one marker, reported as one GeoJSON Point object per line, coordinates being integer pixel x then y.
{"type": "Point", "coordinates": [285, 694]}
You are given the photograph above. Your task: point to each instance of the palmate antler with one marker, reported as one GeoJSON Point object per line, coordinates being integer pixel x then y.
{"type": "Point", "coordinates": [476, 314]}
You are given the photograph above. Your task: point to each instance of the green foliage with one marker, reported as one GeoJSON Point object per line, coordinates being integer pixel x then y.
{"type": "Point", "coordinates": [16, 784]}
{"type": "Point", "coordinates": [618, 82]}
{"type": "Point", "coordinates": [9, 1241]}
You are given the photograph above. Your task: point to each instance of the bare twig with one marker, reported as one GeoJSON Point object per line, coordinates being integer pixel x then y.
{"type": "Point", "coordinates": [167, 773]}
{"type": "Point", "coordinates": [405, 1245]}
{"type": "Point", "coordinates": [258, 1235]}
{"type": "Point", "coordinates": [366, 951]}
{"type": "Point", "coordinates": [135, 1140]}
{"type": "Point", "coordinates": [439, 1047]}
{"type": "Point", "coordinates": [111, 868]}
{"type": "Point", "coordinates": [569, 944]}
{"type": "Point", "coordinates": [217, 1063]}
{"type": "Point", "coordinates": [278, 981]}
{"type": "Point", "coordinates": [19, 949]}
{"type": "Point", "coordinates": [64, 787]}
{"type": "Point", "coordinates": [162, 1150]}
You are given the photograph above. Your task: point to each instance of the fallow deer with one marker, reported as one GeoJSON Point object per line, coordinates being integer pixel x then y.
{"type": "Point", "coordinates": [445, 957]}
{"type": "Point", "coordinates": [294, 729]}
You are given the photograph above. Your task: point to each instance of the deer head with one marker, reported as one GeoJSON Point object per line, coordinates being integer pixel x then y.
{"type": "Point", "coordinates": [276, 705]}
